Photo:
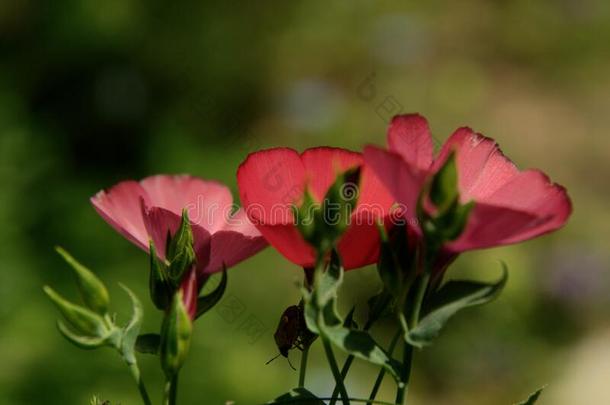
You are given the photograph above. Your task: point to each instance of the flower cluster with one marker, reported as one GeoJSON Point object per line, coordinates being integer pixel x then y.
{"type": "Point", "coordinates": [326, 210]}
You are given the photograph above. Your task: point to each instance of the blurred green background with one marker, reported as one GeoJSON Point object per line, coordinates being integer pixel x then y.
{"type": "Point", "coordinates": [93, 92]}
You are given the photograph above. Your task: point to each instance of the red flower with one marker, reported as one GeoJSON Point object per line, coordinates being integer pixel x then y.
{"type": "Point", "coordinates": [148, 209]}
{"type": "Point", "coordinates": [510, 205]}
{"type": "Point", "coordinates": [271, 181]}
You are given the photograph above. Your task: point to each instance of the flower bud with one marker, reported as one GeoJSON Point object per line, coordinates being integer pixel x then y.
{"type": "Point", "coordinates": [92, 290]}
{"type": "Point", "coordinates": [175, 336]}
{"type": "Point", "coordinates": [322, 225]}
{"type": "Point", "coordinates": [449, 217]}
{"type": "Point", "coordinates": [180, 252]}
{"type": "Point", "coordinates": [81, 319]}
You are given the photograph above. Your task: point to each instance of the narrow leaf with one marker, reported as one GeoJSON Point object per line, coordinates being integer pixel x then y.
{"type": "Point", "coordinates": [148, 343]}
{"type": "Point", "coordinates": [131, 331]}
{"type": "Point", "coordinates": [531, 400]}
{"type": "Point", "coordinates": [447, 301]}
{"type": "Point", "coordinates": [208, 301]}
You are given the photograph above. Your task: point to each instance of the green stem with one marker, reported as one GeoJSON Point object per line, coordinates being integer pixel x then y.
{"type": "Point", "coordinates": [135, 372]}
{"type": "Point", "coordinates": [419, 298]}
{"type": "Point", "coordinates": [422, 286]}
{"type": "Point", "coordinates": [303, 367]}
{"type": "Point", "coordinates": [332, 362]}
{"type": "Point", "coordinates": [381, 374]}
{"type": "Point", "coordinates": [344, 371]}
{"type": "Point", "coordinates": [401, 392]}
{"type": "Point", "coordinates": [348, 363]}
{"type": "Point", "coordinates": [171, 390]}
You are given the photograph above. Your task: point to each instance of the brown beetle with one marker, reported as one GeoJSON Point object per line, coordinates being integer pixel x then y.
{"type": "Point", "coordinates": [292, 332]}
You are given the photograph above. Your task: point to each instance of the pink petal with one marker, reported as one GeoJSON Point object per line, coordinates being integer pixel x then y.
{"type": "Point", "coordinates": [120, 208]}
{"type": "Point", "coordinates": [490, 226]}
{"type": "Point", "coordinates": [402, 180]}
{"type": "Point", "coordinates": [161, 222]}
{"type": "Point", "coordinates": [409, 136]}
{"type": "Point", "coordinates": [288, 241]}
{"type": "Point", "coordinates": [359, 246]}
{"type": "Point", "coordinates": [482, 167]}
{"type": "Point", "coordinates": [374, 197]}
{"type": "Point", "coordinates": [531, 191]}
{"type": "Point", "coordinates": [323, 164]}
{"type": "Point", "coordinates": [230, 248]}
{"type": "Point", "coordinates": [270, 182]}
{"type": "Point", "coordinates": [207, 201]}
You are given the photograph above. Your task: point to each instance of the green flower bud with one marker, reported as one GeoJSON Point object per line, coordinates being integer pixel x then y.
{"type": "Point", "coordinates": [81, 319]}
{"type": "Point", "coordinates": [180, 252]}
{"type": "Point", "coordinates": [93, 291]}
{"type": "Point", "coordinates": [175, 336]}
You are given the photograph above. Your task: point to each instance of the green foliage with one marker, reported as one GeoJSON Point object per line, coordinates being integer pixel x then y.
{"type": "Point", "coordinates": [322, 318]}
{"type": "Point", "coordinates": [533, 398]}
{"type": "Point", "coordinates": [208, 301]}
{"type": "Point", "coordinates": [451, 298]}
{"type": "Point", "coordinates": [322, 224]}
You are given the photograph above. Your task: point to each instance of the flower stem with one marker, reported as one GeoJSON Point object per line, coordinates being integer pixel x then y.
{"type": "Point", "coordinates": [422, 286]}
{"type": "Point", "coordinates": [303, 367]}
{"type": "Point", "coordinates": [401, 392]}
{"type": "Point", "coordinates": [381, 374]}
{"type": "Point", "coordinates": [171, 390]}
{"type": "Point", "coordinates": [332, 362]}
{"type": "Point", "coordinates": [135, 372]}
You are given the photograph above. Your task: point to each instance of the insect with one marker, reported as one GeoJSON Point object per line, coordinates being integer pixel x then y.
{"type": "Point", "coordinates": [292, 332]}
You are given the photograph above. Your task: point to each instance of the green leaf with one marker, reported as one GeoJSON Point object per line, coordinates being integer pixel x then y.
{"type": "Point", "coordinates": [451, 298]}
{"type": "Point", "coordinates": [297, 396]}
{"type": "Point", "coordinates": [83, 320]}
{"type": "Point", "coordinates": [131, 331]}
{"type": "Point", "coordinates": [322, 318]}
{"type": "Point", "coordinates": [208, 301]}
{"type": "Point", "coordinates": [148, 343]}
{"type": "Point", "coordinates": [93, 291]}
{"type": "Point", "coordinates": [531, 400]}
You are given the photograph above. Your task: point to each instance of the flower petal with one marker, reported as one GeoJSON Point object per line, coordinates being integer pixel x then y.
{"type": "Point", "coordinates": [288, 241]}
{"type": "Point", "coordinates": [359, 246]}
{"type": "Point", "coordinates": [120, 208]}
{"type": "Point", "coordinates": [409, 136]}
{"type": "Point", "coordinates": [482, 167]}
{"type": "Point", "coordinates": [323, 164]}
{"type": "Point", "coordinates": [161, 222]}
{"type": "Point", "coordinates": [230, 247]}
{"type": "Point", "coordinates": [402, 180]}
{"type": "Point", "coordinates": [270, 182]}
{"type": "Point", "coordinates": [208, 202]}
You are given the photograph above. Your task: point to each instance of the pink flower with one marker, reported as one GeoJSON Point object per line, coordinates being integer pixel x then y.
{"type": "Point", "coordinates": [272, 181]}
{"type": "Point", "coordinates": [149, 209]}
{"type": "Point", "coordinates": [510, 205]}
